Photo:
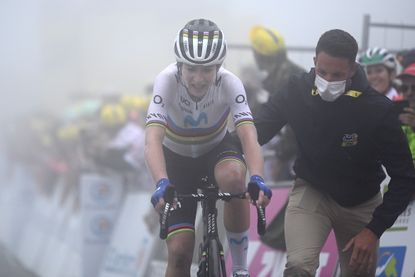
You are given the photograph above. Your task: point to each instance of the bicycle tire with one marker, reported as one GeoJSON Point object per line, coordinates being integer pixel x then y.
{"type": "Point", "coordinates": [203, 271]}
{"type": "Point", "coordinates": [215, 260]}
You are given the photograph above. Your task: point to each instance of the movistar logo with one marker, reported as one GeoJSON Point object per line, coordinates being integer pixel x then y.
{"type": "Point", "coordinates": [240, 242]}
{"type": "Point", "coordinates": [189, 120]}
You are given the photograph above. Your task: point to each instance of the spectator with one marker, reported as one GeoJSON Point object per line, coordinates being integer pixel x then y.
{"type": "Point", "coordinates": [380, 67]}
{"type": "Point", "coordinates": [407, 117]}
{"type": "Point", "coordinates": [271, 57]}
{"type": "Point", "coordinates": [406, 57]}
{"type": "Point", "coordinates": [345, 132]}
{"type": "Point", "coordinates": [270, 54]}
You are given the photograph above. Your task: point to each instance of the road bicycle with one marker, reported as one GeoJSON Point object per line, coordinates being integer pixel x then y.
{"type": "Point", "coordinates": [211, 254]}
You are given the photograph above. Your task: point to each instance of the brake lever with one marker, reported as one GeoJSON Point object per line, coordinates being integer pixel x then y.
{"type": "Point", "coordinates": [164, 216]}
{"type": "Point", "coordinates": [253, 191]}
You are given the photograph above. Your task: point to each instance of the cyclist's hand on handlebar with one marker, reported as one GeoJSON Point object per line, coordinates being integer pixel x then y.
{"type": "Point", "coordinates": [265, 193]}
{"type": "Point", "coordinates": [157, 199]}
{"type": "Point", "coordinates": [263, 200]}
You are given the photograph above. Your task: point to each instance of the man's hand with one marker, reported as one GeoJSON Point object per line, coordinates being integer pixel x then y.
{"type": "Point", "coordinates": [364, 255]}
{"type": "Point", "coordinates": [408, 117]}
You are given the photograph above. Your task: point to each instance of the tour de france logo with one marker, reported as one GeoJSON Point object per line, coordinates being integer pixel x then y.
{"type": "Point", "coordinates": [349, 140]}
{"type": "Point", "coordinates": [101, 225]}
{"type": "Point", "coordinates": [390, 261]}
{"type": "Point", "coordinates": [101, 193]}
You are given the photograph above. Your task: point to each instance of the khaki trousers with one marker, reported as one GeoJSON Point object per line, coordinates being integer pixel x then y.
{"type": "Point", "coordinates": [310, 217]}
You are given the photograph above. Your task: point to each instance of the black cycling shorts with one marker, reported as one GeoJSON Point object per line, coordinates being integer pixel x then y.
{"type": "Point", "coordinates": [185, 174]}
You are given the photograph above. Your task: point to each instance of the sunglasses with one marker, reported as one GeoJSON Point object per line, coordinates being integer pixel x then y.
{"type": "Point", "coordinates": [405, 88]}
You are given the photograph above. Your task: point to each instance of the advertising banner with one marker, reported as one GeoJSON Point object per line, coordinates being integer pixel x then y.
{"type": "Point", "coordinates": [397, 247]}
{"type": "Point", "coordinates": [132, 242]}
{"type": "Point", "coordinates": [100, 202]}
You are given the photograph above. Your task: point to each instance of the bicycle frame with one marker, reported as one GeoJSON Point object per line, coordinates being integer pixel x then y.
{"type": "Point", "coordinates": [211, 255]}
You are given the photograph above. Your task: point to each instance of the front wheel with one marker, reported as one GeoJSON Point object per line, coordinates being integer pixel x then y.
{"type": "Point", "coordinates": [216, 263]}
{"type": "Point", "coordinates": [203, 270]}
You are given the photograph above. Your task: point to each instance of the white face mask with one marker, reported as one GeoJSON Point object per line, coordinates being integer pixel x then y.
{"type": "Point", "coordinates": [329, 91]}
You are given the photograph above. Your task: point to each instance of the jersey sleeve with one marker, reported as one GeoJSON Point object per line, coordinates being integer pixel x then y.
{"type": "Point", "coordinates": [396, 157]}
{"type": "Point", "coordinates": [164, 85]}
{"type": "Point", "coordinates": [235, 94]}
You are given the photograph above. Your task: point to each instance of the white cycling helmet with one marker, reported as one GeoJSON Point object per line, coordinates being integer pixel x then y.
{"type": "Point", "coordinates": [200, 42]}
{"type": "Point", "coordinates": [375, 56]}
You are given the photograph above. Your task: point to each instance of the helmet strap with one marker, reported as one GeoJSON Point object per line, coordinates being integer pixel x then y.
{"type": "Point", "coordinates": [217, 80]}
{"type": "Point", "coordinates": [179, 68]}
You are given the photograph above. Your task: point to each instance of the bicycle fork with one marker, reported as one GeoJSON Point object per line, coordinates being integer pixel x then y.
{"type": "Point", "coordinates": [211, 255]}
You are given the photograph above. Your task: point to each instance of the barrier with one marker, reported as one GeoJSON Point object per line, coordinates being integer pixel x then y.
{"type": "Point", "coordinates": [29, 243]}
{"type": "Point", "coordinates": [63, 239]}
{"type": "Point", "coordinates": [47, 236]}
{"type": "Point", "coordinates": [132, 243]}
{"type": "Point", "coordinates": [397, 247]}
{"type": "Point", "coordinates": [18, 197]}
{"type": "Point", "coordinates": [37, 229]}
{"type": "Point", "coordinates": [101, 198]}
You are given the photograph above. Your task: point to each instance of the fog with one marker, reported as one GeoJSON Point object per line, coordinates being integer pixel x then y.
{"type": "Point", "coordinates": [52, 49]}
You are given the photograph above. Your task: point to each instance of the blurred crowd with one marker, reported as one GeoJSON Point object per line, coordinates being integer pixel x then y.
{"type": "Point", "coordinates": [91, 135]}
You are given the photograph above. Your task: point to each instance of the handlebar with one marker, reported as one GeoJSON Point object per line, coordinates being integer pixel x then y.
{"type": "Point", "coordinates": [168, 198]}
{"type": "Point", "coordinates": [253, 190]}
{"type": "Point", "coordinates": [218, 196]}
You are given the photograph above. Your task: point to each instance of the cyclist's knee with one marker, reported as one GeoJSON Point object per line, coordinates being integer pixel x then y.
{"type": "Point", "coordinates": [231, 177]}
{"type": "Point", "coordinates": [180, 252]}
{"type": "Point", "coordinates": [300, 268]}
{"type": "Point", "coordinates": [179, 258]}
{"type": "Point", "coordinates": [180, 261]}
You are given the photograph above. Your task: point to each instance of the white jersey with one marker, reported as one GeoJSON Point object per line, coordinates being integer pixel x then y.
{"type": "Point", "coordinates": [392, 93]}
{"type": "Point", "coordinates": [131, 137]}
{"type": "Point", "coordinates": [193, 128]}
